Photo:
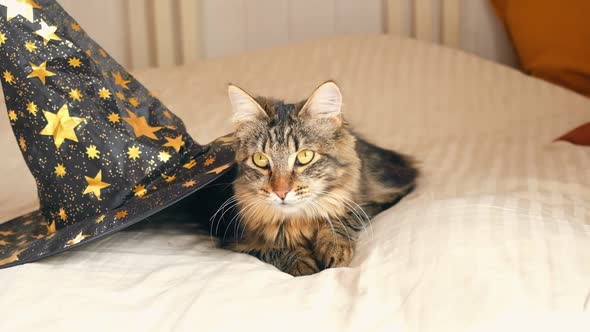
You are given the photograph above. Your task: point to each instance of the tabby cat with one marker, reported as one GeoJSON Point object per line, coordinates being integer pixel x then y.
{"type": "Point", "coordinates": [306, 185]}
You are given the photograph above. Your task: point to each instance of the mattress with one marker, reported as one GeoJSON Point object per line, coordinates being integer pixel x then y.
{"type": "Point", "coordinates": [495, 238]}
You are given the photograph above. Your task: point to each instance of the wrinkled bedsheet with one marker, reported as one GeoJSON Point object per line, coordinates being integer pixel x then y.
{"type": "Point", "coordinates": [495, 238]}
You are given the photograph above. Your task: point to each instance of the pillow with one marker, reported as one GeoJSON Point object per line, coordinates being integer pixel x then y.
{"type": "Point", "coordinates": [579, 136]}
{"type": "Point", "coordinates": [551, 38]}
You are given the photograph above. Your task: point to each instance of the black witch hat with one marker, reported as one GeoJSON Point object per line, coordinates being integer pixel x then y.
{"type": "Point", "coordinates": [105, 153]}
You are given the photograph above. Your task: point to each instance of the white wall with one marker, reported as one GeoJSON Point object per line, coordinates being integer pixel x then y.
{"type": "Point", "coordinates": [228, 27]}
{"type": "Point", "coordinates": [231, 26]}
{"type": "Point", "coordinates": [104, 20]}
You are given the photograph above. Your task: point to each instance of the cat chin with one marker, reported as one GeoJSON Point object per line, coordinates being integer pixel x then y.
{"type": "Point", "coordinates": [291, 208]}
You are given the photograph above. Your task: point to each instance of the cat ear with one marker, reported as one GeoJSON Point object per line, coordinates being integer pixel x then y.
{"type": "Point", "coordinates": [325, 102]}
{"type": "Point", "coordinates": [245, 108]}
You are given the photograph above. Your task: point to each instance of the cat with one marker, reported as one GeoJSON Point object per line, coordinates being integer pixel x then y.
{"type": "Point", "coordinates": [306, 184]}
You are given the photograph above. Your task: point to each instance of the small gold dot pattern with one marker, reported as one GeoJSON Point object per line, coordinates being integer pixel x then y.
{"type": "Point", "coordinates": [100, 162]}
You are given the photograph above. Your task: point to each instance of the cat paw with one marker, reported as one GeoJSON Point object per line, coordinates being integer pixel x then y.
{"type": "Point", "coordinates": [331, 255]}
{"type": "Point", "coordinates": [304, 266]}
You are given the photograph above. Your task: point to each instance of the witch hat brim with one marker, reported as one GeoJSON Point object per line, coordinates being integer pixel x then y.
{"type": "Point", "coordinates": [105, 153]}
{"type": "Point", "coordinates": [31, 237]}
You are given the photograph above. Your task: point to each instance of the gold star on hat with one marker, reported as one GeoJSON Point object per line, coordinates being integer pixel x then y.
{"type": "Point", "coordinates": [175, 143]}
{"type": "Point", "coordinates": [61, 126]}
{"type": "Point", "coordinates": [23, 8]}
{"type": "Point", "coordinates": [140, 126]}
{"type": "Point", "coordinates": [47, 33]}
{"type": "Point", "coordinates": [95, 184]}
{"type": "Point", "coordinates": [40, 72]}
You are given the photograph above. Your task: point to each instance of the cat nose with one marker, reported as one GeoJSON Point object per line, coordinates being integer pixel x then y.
{"type": "Point", "coordinates": [281, 186]}
{"type": "Point", "coordinates": [282, 194]}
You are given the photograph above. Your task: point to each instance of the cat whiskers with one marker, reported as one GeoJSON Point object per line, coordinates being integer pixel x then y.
{"type": "Point", "coordinates": [238, 214]}
{"type": "Point", "coordinates": [229, 204]}
{"type": "Point", "coordinates": [241, 218]}
{"type": "Point", "coordinates": [305, 192]}
{"type": "Point", "coordinates": [316, 209]}
{"type": "Point", "coordinates": [354, 208]}
{"type": "Point", "coordinates": [350, 240]}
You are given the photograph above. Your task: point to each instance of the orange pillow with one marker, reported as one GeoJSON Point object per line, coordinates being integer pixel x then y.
{"type": "Point", "coordinates": [579, 136]}
{"type": "Point", "coordinates": [552, 39]}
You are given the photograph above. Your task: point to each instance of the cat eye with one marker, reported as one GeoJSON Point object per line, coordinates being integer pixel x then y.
{"type": "Point", "coordinates": [304, 157]}
{"type": "Point", "coordinates": [260, 160]}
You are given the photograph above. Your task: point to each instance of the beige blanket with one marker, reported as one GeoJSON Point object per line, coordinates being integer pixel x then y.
{"type": "Point", "coordinates": [496, 238]}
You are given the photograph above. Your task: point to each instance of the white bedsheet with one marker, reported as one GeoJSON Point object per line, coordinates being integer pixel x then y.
{"type": "Point", "coordinates": [495, 238]}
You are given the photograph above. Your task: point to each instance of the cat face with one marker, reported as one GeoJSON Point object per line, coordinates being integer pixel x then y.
{"type": "Point", "coordinates": [291, 157]}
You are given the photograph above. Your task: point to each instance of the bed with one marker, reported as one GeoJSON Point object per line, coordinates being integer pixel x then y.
{"type": "Point", "coordinates": [496, 237]}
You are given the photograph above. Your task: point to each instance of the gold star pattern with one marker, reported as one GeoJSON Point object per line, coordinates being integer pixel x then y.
{"type": "Point", "coordinates": [56, 124]}
{"type": "Point", "coordinates": [164, 156]}
{"type": "Point", "coordinates": [133, 101]}
{"type": "Point", "coordinates": [75, 94]}
{"type": "Point", "coordinates": [190, 164]}
{"type": "Point", "coordinates": [189, 183]}
{"type": "Point", "coordinates": [92, 152]}
{"type": "Point", "coordinates": [40, 72]}
{"type": "Point", "coordinates": [121, 214]}
{"type": "Point", "coordinates": [8, 77]}
{"type": "Point", "coordinates": [209, 161]}
{"type": "Point", "coordinates": [140, 191]}
{"type": "Point", "coordinates": [32, 108]}
{"type": "Point", "coordinates": [140, 126]}
{"type": "Point", "coordinates": [12, 115]}
{"type": "Point", "coordinates": [2, 38]}
{"type": "Point", "coordinates": [79, 238]}
{"type": "Point", "coordinates": [47, 32]}
{"type": "Point", "coordinates": [4, 243]}
{"type": "Point", "coordinates": [23, 8]}
{"type": "Point", "coordinates": [30, 46]}
{"type": "Point", "coordinates": [95, 185]}
{"type": "Point", "coordinates": [60, 170]}
{"type": "Point", "coordinates": [75, 27]}
{"type": "Point", "coordinates": [133, 152]}
{"type": "Point", "coordinates": [114, 118]}
{"type": "Point", "coordinates": [120, 81]}
{"type": "Point", "coordinates": [12, 258]}
{"type": "Point", "coordinates": [219, 169]}
{"type": "Point", "coordinates": [62, 214]}
{"type": "Point", "coordinates": [61, 126]}
{"type": "Point", "coordinates": [22, 143]}
{"type": "Point", "coordinates": [175, 143]}
{"type": "Point", "coordinates": [102, 53]}
{"type": "Point", "coordinates": [51, 229]}
{"type": "Point", "coordinates": [104, 93]}
{"type": "Point", "coordinates": [74, 62]}
{"type": "Point", "coordinates": [169, 178]}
